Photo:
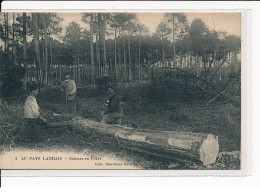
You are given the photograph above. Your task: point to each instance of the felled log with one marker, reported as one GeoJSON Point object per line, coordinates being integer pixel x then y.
{"type": "Point", "coordinates": [196, 146]}
{"type": "Point", "coordinates": [60, 123]}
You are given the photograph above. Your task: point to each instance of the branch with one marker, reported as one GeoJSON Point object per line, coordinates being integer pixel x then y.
{"type": "Point", "coordinates": [7, 137]}
{"type": "Point", "coordinates": [218, 69]}
{"type": "Point", "coordinates": [216, 97]}
{"type": "Point", "coordinates": [204, 81]}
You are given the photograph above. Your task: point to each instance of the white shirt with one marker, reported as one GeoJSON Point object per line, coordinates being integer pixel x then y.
{"type": "Point", "coordinates": [31, 108]}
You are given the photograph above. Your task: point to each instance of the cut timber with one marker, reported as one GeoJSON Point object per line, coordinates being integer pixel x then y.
{"type": "Point", "coordinates": [228, 157]}
{"type": "Point", "coordinates": [194, 146]}
{"type": "Point", "coordinates": [61, 123]}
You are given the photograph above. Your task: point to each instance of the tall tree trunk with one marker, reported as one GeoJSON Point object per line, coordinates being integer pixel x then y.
{"type": "Point", "coordinates": [24, 41]}
{"type": "Point", "coordinates": [60, 72]}
{"type": "Point", "coordinates": [173, 37]}
{"type": "Point", "coordinates": [13, 36]}
{"type": "Point", "coordinates": [92, 52]}
{"type": "Point", "coordinates": [42, 45]}
{"type": "Point", "coordinates": [205, 65]}
{"type": "Point", "coordinates": [7, 30]}
{"type": "Point", "coordinates": [98, 56]}
{"type": "Point", "coordinates": [163, 55]}
{"type": "Point", "coordinates": [51, 55]}
{"type": "Point", "coordinates": [1, 76]}
{"type": "Point", "coordinates": [125, 65]}
{"type": "Point", "coordinates": [36, 43]}
{"type": "Point", "coordinates": [220, 73]}
{"type": "Point", "coordinates": [46, 47]}
{"type": "Point", "coordinates": [139, 57]}
{"type": "Point", "coordinates": [119, 54]}
{"type": "Point", "coordinates": [100, 41]}
{"type": "Point", "coordinates": [104, 43]}
{"type": "Point", "coordinates": [78, 69]}
{"type": "Point", "coordinates": [24, 47]}
{"type": "Point", "coordinates": [74, 67]}
{"type": "Point", "coordinates": [5, 35]}
{"type": "Point", "coordinates": [129, 58]}
{"type": "Point", "coordinates": [115, 55]}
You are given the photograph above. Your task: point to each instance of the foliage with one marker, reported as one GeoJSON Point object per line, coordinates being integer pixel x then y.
{"type": "Point", "coordinates": [103, 83]}
{"type": "Point", "coordinates": [130, 55]}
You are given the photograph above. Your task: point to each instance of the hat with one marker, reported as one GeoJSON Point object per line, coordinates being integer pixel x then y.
{"type": "Point", "coordinates": [33, 87]}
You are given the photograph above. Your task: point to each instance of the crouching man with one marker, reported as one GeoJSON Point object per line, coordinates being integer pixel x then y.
{"type": "Point", "coordinates": [35, 123]}
{"type": "Point", "coordinates": [113, 112]}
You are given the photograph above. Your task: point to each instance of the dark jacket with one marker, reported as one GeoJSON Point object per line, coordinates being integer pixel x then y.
{"type": "Point", "coordinates": [114, 104]}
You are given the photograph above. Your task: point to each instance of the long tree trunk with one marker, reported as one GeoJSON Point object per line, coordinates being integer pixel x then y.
{"type": "Point", "coordinates": [115, 55]}
{"type": "Point", "coordinates": [129, 58]}
{"type": "Point", "coordinates": [139, 57]}
{"type": "Point", "coordinates": [13, 36]}
{"type": "Point", "coordinates": [51, 55]}
{"type": "Point", "coordinates": [1, 76]}
{"type": "Point", "coordinates": [104, 43]}
{"type": "Point", "coordinates": [78, 69]}
{"type": "Point", "coordinates": [7, 30]}
{"type": "Point", "coordinates": [92, 52]}
{"type": "Point", "coordinates": [119, 54]}
{"type": "Point", "coordinates": [220, 74]}
{"type": "Point", "coordinates": [125, 65]}
{"type": "Point", "coordinates": [100, 41]}
{"type": "Point", "coordinates": [5, 35]}
{"type": "Point", "coordinates": [36, 43]}
{"type": "Point", "coordinates": [46, 48]}
{"type": "Point", "coordinates": [74, 65]}
{"type": "Point", "coordinates": [98, 56]}
{"type": "Point", "coordinates": [42, 45]}
{"type": "Point", "coordinates": [24, 41]}
{"type": "Point", "coordinates": [205, 65]}
{"type": "Point", "coordinates": [163, 54]}
{"type": "Point", "coordinates": [173, 37]}
{"type": "Point", "coordinates": [176, 145]}
{"type": "Point", "coordinates": [24, 47]}
{"type": "Point", "coordinates": [60, 72]}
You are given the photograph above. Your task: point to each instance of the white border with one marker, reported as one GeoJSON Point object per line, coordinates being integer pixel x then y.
{"type": "Point", "coordinates": [60, 6]}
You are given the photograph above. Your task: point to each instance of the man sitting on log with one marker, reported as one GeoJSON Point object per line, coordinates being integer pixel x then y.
{"type": "Point", "coordinates": [113, 112]}
{"type": "Point", "coordinates": [35, 123]}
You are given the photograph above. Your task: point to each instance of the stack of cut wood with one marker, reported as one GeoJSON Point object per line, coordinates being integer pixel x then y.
{"type": "Point", "coordinates": [195, 147]}
{"type": "Point", "coordinates": [228, 157]}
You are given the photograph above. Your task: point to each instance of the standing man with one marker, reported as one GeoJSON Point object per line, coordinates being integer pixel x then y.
{"type": "Point", "coordinates": [69, 86]}
{"type": "Point", "coordinates": [113, 112]}
{"type": "Point", "coordinates": [35, 123]}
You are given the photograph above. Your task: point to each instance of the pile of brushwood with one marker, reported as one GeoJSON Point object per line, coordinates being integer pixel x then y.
{"type": "Point", "coordinates": [182, 86]}
{"type": "Point", "coordinates": [12, 123]}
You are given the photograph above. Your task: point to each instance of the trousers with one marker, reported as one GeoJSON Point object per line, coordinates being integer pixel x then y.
{"type": "Point", "coordinates": [71, 106]}
{"type": "Point", "coordinates": [111, 118]}
{"type": "Point", "coordinates": [35, 130]}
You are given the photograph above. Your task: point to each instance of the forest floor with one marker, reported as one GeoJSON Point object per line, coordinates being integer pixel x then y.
{"type": "Point", "coordinates": [222, 120]}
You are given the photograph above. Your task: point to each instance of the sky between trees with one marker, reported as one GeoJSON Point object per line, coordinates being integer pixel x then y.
{"type": "Point", "coordinates": [229, 22]}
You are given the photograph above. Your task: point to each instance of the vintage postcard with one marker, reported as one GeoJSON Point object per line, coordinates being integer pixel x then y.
{"type": "Point", "coordinates": [120, 90]}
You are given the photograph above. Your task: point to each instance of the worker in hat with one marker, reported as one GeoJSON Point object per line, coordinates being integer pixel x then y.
{"type": "Point", "coordinates": [69, 87]}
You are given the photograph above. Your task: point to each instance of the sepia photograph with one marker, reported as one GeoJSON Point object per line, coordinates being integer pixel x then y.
{"type": "Point", "coordinates": [120, 90]}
